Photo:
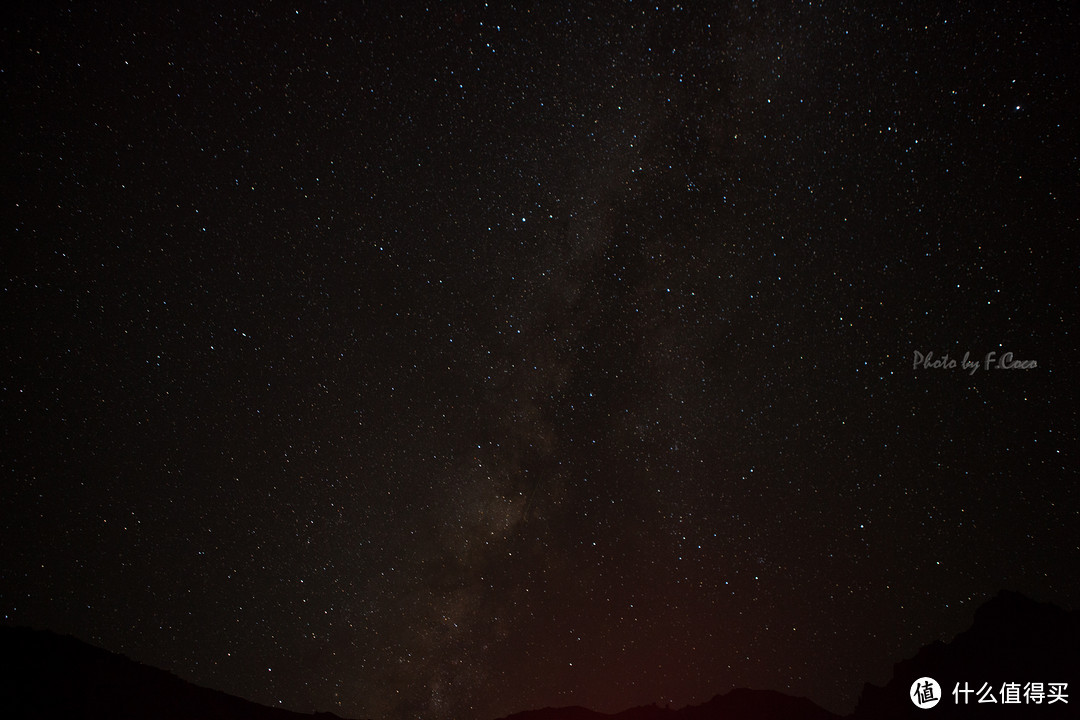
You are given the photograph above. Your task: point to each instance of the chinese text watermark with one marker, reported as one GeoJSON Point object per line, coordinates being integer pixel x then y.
{"type": "Point", "coordinates": [926, 693]}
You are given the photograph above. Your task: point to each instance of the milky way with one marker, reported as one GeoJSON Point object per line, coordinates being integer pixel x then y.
{"type": "Point", "coordinates": [455, 361]}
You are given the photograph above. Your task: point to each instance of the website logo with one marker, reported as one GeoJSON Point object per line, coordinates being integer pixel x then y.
{"type": "Point", "coordinates": [925, 693]}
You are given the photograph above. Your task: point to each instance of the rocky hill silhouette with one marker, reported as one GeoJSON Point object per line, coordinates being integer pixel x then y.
{"type": "Point", "coordinates": [1012, 640]}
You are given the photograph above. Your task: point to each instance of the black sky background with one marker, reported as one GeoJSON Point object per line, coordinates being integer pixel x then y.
{"type": "Point", "coordinates": [455, 360]}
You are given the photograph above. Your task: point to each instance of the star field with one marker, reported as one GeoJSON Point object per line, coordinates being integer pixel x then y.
{"type": "Point", "coordinates": [451, 361]}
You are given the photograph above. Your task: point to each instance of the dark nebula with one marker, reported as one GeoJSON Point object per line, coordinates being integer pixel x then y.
{"type": "Point", "coordinates": [451, 361]}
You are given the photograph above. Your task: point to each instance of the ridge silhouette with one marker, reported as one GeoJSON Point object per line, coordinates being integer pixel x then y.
{"type": "Point", "coordinates": [1012, 639]}
{"type": "Point", "coordinates": [57, 677]}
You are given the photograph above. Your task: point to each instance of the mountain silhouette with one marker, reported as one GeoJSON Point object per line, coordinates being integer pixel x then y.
{"type": "Point", "coordinates": [1013, 640]}
{"type": "Point", "coordinates": [57, 677]}
{"type": "Point", "coordinates": [738, 704]}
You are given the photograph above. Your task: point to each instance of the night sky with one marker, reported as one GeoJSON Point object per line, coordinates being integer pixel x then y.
{"type": "Point", "coordinates": [411, 361]}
